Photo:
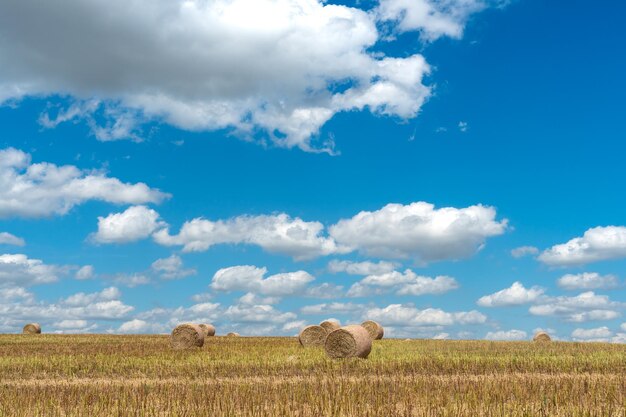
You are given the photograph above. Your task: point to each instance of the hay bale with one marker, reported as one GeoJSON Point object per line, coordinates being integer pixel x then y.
{"type": "Point", "coordinates": [187, 336]}
{"type": "Point", "coordinates": [208, 329]}
{"type": "Point", "coordinates": [375, 330]}
{"type": "Point", "coordinates": [348, 342]}
{"type": "Point", "coordinates": [32, 328]}
{"type": "Point", "coordinates": [330, 325]}
{"type": "Point", "coordinates": [313, 336]}
{"type": "Point", "coordinates": [542, 337]}
{"type": "Point", "coordinates": [232, 334]}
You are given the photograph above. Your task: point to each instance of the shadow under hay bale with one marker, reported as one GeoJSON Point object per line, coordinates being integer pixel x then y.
{"type": "Point", "coordinates": [330, 325]}
{"type": "Point", "coordinates": [374, 329]}
{"type": "Point", "coordinates": [208, 329]}
{"type": "Point", "coordinates": [348, 342]}
{"type": "Point", "coordinates": [187, 336]}
{"type": "Point", "coordinates": [312, 336]}
{"type": "Point", "coordinates": [32, 328]}
{"type": "Point", "coordinates": [542, 337]}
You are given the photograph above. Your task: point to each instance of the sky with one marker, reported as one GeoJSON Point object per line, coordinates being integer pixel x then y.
{"type": "Point", "coordinates": [452, 169]}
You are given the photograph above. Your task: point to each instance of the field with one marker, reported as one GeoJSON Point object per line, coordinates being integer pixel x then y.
{"type": "Point", "coordinates": [101, 375]}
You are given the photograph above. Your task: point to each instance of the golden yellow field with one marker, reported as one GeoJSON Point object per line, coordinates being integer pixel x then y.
{"type": "Point", "coordinates": [100, 375]}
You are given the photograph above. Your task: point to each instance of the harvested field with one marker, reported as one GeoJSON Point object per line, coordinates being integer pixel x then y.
{"type": "Point", "coordinates": [104, 375]}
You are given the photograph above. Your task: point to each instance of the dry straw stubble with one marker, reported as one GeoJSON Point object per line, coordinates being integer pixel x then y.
{"type": "Point", "coordinates": [349, 342]}
{"type": "Point", "coordinates": [374, 329]}
{"type": "Point", "coordinates": [32, 328]}
{"type": "Point", "coordinates": [313, 336]}
{"type": "Point", "coordinates": [187, 336]}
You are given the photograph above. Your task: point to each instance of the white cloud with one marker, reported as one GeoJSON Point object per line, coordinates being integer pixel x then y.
{"type": "Point", "coordinates": [408, 316]}
{"type": "Point", "coordinates": [623, 327]}
{"type": "Point", "coordinates": [82, 299]}
{"type": "Point", "coordinates": [257, 314]}
{"type": "Point", "coordinates": [171, 268]}
{"type": "Point", "coordinates": [599, 334]}
{"type": "Point", "coordinates": [325, 290]}
{"type": "Point", "coordinates": [586, 306]}
{"type": "Point", "coordinates": [135, 223]}
{"type": "Point", "coordinates": [19, 269]}
{"type": "Point", "coordinates": [507, 335]}
{"type": "Point", "coordinates": [276, 234]}
{"type": "Point", "coordinates": [250, 278]}
{"type": "Point", "coordinates": [330, 308]}
{"type": "Point", "coordinates": [406, 283]}
{"type": "Point", "coordinates": [588, 281]}
{"type": "Point", "coordinates": [524, 251]}
{"type": "Point", "coordinates": [85, 272]}
{"type": "Point", "coordinates": [9, 239]}
{"type": "Point", "coordinates": [432, 18]}
{"type": "Point", "coordinates": [45, 189]}
{"type": "Point", "coordinates": [361, 268]}
{"type": "Point", "coordinates": [137, 326]}
{"type": "Point", "coordinates": [131, 280]}
{"type": "Point", "coordinates": [515, 295]}
{"type": "Point", "coordinates": [268, 64]}
{"type": "Point", "coordinates": [597, 244]}
{"type": "Point", "coordinates": [71, 324]}
{"type": "Point", "coordinates": [419, 231]}
{"type": "Point", "coordinates": [8, 294]}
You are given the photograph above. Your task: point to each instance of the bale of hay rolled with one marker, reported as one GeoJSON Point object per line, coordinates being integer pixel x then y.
{"type": "Point", "coordinates": [208, 329]}
{"type": "Point", "coordinates": [375, 330]}
{"type": "Point", "coordinates": [32, 328]}
{"type": "Point", "coordinates": [348, 342]}
{"type": "Point", "coordinates": [312, 336]}
{"type": "Point", "coordinates": [232, 334]}
{"type": "Point", "coordinates": [330, 325]}
{"type": "Point", "coordinates": [187, 336]}
{"type": "Point", "coordinates": [542, 337]}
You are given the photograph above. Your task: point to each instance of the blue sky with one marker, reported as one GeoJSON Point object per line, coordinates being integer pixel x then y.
{"type": "Point", "coordinates": [489, 126]}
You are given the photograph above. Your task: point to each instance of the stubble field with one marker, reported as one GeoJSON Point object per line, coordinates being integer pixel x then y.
{"type": "Point", "coordinates": [102, 375]}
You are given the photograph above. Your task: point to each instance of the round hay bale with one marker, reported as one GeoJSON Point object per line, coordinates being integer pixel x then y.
{"type": "Point", "coordinates": [375, 330]}
{"type": "Point", "coordinates": [208, 329]}
{"type": "Point", "coordinates": [312, 336]}
{"type": "Point", "coordinates": [330, 325]}
{"type": "Point", "coordinates": [232, 334]}
{"type": "Point", "coordinates": [348, 342]}
{"type": "Point", "coordinates": [187, 336]}
{"type": "Point", "coordinates": [542, 337]}
{"type": "Point", "coordinates": [32, 328]}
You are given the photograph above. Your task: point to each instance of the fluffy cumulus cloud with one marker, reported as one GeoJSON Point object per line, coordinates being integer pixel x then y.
{"type": "Point", "coordinates": [516, 294]}
{"type": "Point", "coordinates": [597, 244]}
{"type": "Point", "coordinates": [409, 316]}
{"type": "Point", "coordinates": [44, 189]}
{"type": "Point", "coordinates": [85, 272]}
{"type": "Point", "coordinates": [524, 251]}
{"type": "Point", "coordinates": [171, 268]}
{"type": "Point", "coordinates": [584, 307]}
{"type": "Point", "coordinates": [432, 18]}
{"type": "Point", "coordinates": [599, 334]}
{"type": "Point", "coordinates": [361, 268]}
{"type": "Point", "coordinates": [274, 233]}
{"type": "Point", "coordinates": [77, 313]}
{"type": "Point", "coordinates": [281, 66]}
{"type": "Point", "coordinates": [9, 239]}
{"type": "Point", "coordinates": [332, 308]}
{"type": "Point", "coordinates": [419, 231]}
{"type": "Point", "coordinates": [21, 270]}
{"type": "Point", "coordinates": [251, 279]}
{"type": "Point", "coordinates": [402, 283]}
{"type": "Point", "coordinates": [135, 223]}
{"type": "Point", "coordinates": [506, 335]}
{"type": "Point", "coordinates": [588, 281]}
